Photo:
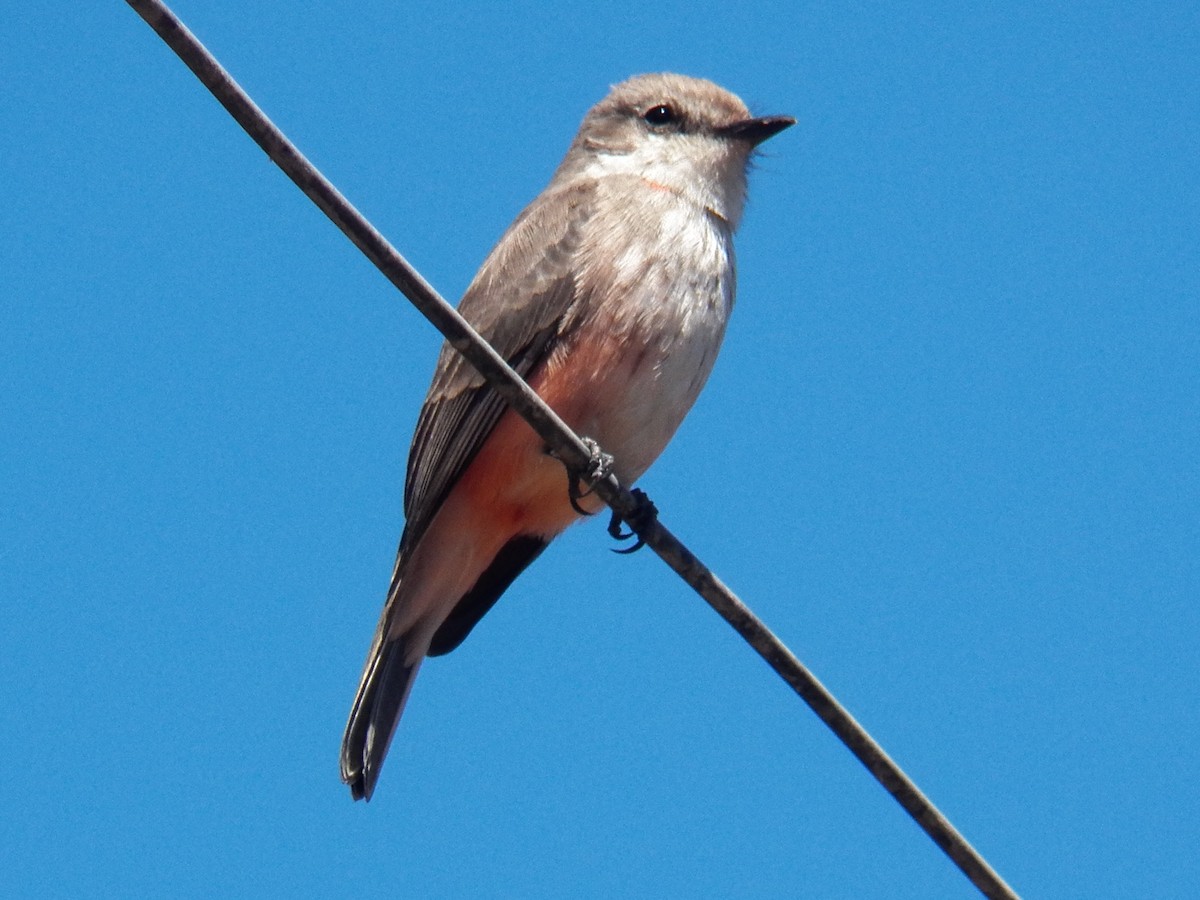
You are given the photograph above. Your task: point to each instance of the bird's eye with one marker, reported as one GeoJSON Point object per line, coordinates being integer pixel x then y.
{"type": "Point", "coordinates": [660, 115]}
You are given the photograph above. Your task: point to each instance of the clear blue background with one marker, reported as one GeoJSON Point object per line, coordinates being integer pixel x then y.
{"type": "Point", "coordinates": [950, 453]}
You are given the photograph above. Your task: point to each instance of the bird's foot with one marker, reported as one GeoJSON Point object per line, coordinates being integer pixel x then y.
{"type": "Point", "coordinates": [598, 467]}
{"type": "Point", "coordinates": [643, 515]}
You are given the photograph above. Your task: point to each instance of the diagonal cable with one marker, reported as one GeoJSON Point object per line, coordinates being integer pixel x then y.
{"type": "Point", "coordinates": [567, 446]}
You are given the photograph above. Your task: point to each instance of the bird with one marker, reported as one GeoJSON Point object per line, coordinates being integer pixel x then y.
{"type": "Point", "coordinates": [609, 294]}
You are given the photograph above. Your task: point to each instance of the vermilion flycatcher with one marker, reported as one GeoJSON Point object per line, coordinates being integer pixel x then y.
{"type": "Point", "coordinates": [609, 294]}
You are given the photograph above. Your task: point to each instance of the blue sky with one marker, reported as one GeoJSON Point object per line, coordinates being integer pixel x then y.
{"type": "Point", "coordinates": [949, 453]}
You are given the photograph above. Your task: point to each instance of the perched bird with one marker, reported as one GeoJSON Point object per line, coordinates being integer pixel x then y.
{"type": "Point", "coordinates": [609, 294]}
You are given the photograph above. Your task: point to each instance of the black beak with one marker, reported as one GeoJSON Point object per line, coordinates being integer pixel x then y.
{"type": "Point", "coordinates": [755, 131]}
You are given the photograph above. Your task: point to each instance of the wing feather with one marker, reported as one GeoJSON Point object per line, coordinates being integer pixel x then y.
{"type": "Point", "coordinates": [523, 302]}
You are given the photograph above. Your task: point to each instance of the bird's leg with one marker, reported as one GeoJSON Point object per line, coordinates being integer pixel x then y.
{"type": "Point", "coordinates": [644, 513]}
{"type": "Point", "coordinates": [598, 466]}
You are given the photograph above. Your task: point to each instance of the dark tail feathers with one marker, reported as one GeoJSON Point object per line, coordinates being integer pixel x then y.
{"type": "Point", "coordinates": [373, 718]}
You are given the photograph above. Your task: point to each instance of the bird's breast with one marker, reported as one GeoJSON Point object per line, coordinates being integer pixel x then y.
{"type": "Point", "coordinates": [657, 295]}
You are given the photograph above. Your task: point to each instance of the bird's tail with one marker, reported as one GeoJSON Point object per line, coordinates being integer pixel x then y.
{"type": "Point", "coordinates": [382, 693]}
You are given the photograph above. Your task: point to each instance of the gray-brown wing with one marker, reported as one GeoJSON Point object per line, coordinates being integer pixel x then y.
{"type": "Point", "coordinates": [522, 302]}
